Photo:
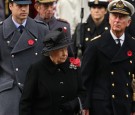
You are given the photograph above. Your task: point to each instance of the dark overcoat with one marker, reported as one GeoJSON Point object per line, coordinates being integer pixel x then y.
{"type": "Point", "coordinates": [107, 74]}
{"type": "Point", "coordinates": [17, 53]}
{"type": "Point", "coordinates": [47, 87]}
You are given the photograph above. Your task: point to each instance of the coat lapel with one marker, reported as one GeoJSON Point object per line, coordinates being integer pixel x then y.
{"type": "Point", "coordinates": [108, 45]}
{"type": "Point", "coordinates": [23, 42]}
{"type": "Point", "coordinates": [110, 49]}
{"type": "Point", "coordinates": [127, 46]}
{"type": "Point", "coordinates": [17, 41]}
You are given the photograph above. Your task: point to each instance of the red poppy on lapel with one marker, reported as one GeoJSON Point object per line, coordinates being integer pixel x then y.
{"type": "Point", "coordinates": [129, 53]}
{"type": "Point", "coordinates": [75, 61]}
{"type": "Point", "coordinates": [31, 42]}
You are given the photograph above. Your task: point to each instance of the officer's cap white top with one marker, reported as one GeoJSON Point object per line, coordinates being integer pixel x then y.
{"type": "Point", "coordinates": [122, 7]}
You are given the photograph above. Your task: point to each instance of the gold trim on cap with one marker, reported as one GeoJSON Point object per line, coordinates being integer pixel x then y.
{"type": "Point", "coordinates": [96, 1]}
{"type": "Point", "coordinates": [119, 4]}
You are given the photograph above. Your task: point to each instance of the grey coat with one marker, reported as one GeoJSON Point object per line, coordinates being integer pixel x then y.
{"type": "Point", "coordinates": [17, 53]}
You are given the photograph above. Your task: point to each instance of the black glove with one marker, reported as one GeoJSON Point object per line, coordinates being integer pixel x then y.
{"type": "Point", "coordinates": [71, 106]}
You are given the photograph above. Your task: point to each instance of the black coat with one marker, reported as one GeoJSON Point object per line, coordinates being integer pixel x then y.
{"type": "Point", "coordinates": [89, 30]}
{"type": "Point", "coordinates": [48, 87]}
{"type": "Point", "coordinates": [107, 74]}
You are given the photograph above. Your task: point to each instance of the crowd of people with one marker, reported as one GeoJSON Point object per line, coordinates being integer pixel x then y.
{"type": "Point", "coordinates": [67, 57]}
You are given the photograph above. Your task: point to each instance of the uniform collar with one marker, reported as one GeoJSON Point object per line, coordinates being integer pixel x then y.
{"type": "Point", "coordinates": [17, 25]}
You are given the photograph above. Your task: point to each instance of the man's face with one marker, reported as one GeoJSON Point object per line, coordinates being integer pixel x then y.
{"type": "Point", "coordinates": [46, 10]}
{"type": "Point", "coordinates": [19, 12]}
{"type": "Point", "coordinates": [98, 12]}
{"type": "Point", "coordinates": [119, 22]}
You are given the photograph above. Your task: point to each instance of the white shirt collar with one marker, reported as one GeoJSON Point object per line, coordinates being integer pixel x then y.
{"type": "Point", "coordinates": [122, 38]}
{"type": "Point", "coordinates": [17, 25]}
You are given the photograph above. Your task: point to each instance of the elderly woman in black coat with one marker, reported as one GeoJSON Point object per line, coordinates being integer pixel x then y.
{"type": "Point", "coordinates": [53, 85]}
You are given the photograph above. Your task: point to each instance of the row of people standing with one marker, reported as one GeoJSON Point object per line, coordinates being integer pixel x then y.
{"type": "Point", "coordinates": [21, 45]}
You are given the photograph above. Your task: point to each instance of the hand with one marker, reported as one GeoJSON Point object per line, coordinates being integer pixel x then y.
{"type": "Point", "coordinates": [85, 112]}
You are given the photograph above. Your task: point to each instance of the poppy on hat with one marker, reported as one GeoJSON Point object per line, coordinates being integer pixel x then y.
{"type": "Point", "coordinates": [21, 1]}
{"type": "Point", "coordinates": [55, 40]}
{"type": "Point", "coordinates": [122, 7]}
{"type": "Point", "coordinates": [103, 3]}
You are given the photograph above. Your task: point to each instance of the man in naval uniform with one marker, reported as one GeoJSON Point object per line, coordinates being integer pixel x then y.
{"type": "Point", "coordinates": [95, 25]}
{"type": "Point", "coordinates": [45, 9]}
{"type": "Point", "coordinates": [108, 65]}
{"type": "Point", "coordinates": [20, 46]}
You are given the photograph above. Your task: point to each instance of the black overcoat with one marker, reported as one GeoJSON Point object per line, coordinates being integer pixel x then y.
{"type": "Point", "coordinates": [107, 73]}
{"type": "Point", "coordinates": [47, 87]}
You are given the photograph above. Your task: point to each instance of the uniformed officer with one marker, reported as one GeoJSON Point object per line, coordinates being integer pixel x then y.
{"type": "Point", "coordinates": [45, 9]}
{"type": "Point", "coordinates": [20, 46]}
{"type": "Point", "coordinates": [108, 65]}
{"type": "Point", "coordinates": [95, 25]}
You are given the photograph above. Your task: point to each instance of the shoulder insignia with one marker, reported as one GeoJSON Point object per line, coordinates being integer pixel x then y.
{"type": "Point", "coordinates": [95, 37]}
{"type": "Point", "coordinates": [62, 20]}
{"type": "Point", "coordinates": [41, 22]}
{"type": "Point", "coordinates": [133, 38]}
{"type": "Point", "coordinates": [1, 22]}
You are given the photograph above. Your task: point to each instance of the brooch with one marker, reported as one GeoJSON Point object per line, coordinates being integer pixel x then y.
{"type": "Point", "coordinates": [74, 63]}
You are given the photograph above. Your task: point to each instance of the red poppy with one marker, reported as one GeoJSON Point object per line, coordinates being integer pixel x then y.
{"type": "Point", "coordinates": [129, 53]}
{"type": "Point", "coordinates": [31, 42]}
{"type": "Point", "coordinates": [75, 61]}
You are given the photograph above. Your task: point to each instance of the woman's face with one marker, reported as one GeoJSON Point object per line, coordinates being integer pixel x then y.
{"type": "Point", "coordinates": [59, 56]}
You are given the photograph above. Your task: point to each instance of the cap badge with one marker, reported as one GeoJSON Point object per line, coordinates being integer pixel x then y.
{"type": "Point", "coordinates": [96, 1]}
{"type": "Point", "coordinates": [119, 4]}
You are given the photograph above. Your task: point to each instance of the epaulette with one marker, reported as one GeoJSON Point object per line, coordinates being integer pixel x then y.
{"type": "Point", "coordinates": [62, 20]}
{"type": "Point", "coordinates": [40, 22]}
{"type": "Point", "coordinates": [1, 22]}
{"type": "Point", "coordinates": [133, 37]}
{"type": "Point", "coordinates": [95, 37]}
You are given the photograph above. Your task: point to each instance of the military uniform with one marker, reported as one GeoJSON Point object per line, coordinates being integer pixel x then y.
{"type": "Point", "coordinates": [90, 30]}
{"type": "Point", "coordinates": [108, 66]}
{"type": "Point", "coordinates": [107, 73]}
{"type": "Point", "coordinates": [17, 53]}
{"type": "Point", "coordinates": [55, 24]}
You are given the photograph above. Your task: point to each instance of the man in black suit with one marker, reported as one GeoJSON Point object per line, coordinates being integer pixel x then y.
{"type": "Point", "coordinates": [108, 65]}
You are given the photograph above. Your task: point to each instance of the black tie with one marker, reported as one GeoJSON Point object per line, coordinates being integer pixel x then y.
{"type": "Point", "coordinates": [21, 27]}
{"type": "Point", "coordinates": [118, 44]}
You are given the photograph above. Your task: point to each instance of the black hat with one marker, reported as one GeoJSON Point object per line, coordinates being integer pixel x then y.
{"type": "Point", "coordinates": [103, 3]}
{"type": "Point", "coordinates": [56, 39]}
{"type": "Point", "coordinates": [122, 7]}
{"type": "Point", "coordinates": [21, 1]}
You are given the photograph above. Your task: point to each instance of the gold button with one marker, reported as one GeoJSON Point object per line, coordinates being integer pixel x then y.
{"type": "Point", "coordinates": [112, 73]}
{"type": "Point", "coordinates": [113, 84]}
{"type": "Point", "coordinates": [131, 61]}
{"type": "Point", "coordinates": [126, 84]}
{"type": "Point", "coordinates": [129, 73]}
{"type": "Point", "coordinates": [127, 96]}
{"type": "Point", "coordinates": [106, 28]}
{"type": "Point", "coordinates": [88, 29]}
{"type": "Point", "coordinates": [113, 96]}
{"type": "Point", "coordinates": [86, 39]}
